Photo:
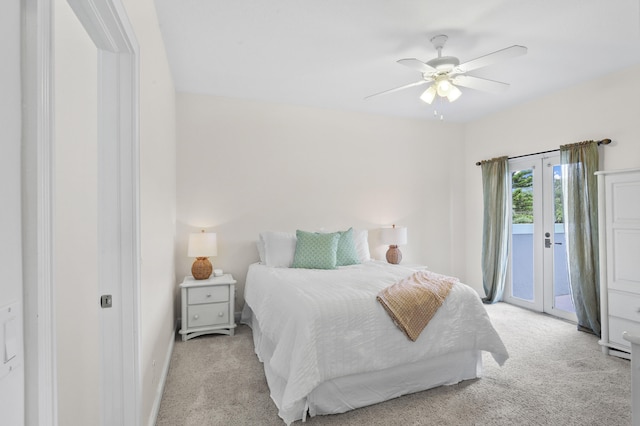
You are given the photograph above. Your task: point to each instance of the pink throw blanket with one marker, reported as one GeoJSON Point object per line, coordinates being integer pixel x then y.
{"type": "Point", "coordinates": [413, 301]}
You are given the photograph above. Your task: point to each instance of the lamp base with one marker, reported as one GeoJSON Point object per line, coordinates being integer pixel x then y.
{"type": "Point", "coordinates": [201, 268]}
{"type": "Point", "coordinates": [394, 255]}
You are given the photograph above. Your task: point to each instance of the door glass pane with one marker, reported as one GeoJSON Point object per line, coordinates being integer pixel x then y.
{"type": "Point", "coordinates": [562, 298]}
{"type": "Point", "coordinates": [522, 234]}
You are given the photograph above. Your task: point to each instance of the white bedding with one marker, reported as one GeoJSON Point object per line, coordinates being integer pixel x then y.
{"type": "Point", "coordinates": [324, 324]}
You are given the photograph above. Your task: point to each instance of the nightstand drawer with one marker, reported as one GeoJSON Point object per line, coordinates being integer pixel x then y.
{"type": "Point", "coordinates": [210, 294]}
{"type": "Point", "coordinates": [206, 315]}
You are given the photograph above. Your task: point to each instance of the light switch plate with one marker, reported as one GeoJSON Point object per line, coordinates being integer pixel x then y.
{"type": "Point", "coordinates": [10, 338]}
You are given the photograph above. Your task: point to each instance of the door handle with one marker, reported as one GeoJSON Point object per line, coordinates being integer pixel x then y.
{"type": "Point", "coordinates": [547, 242]}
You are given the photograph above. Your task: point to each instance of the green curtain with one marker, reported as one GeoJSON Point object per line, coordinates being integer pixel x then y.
{"type": "Point", "coordinates": [580, 196]}
{"type": "Point", "coordinates": [495, 230]}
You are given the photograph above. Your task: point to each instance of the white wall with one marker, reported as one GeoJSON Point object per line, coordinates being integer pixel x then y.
{"type": "Point", "coordinates": [608, 107]}
{"type": "Point", "coordinates": [244, 167]}
{"type": "Point", "coordinates": [75, 220]}
{"type": "Point", "coordinates": [12, 385]}
{"type": "Point", "coordinates": [157, 203]}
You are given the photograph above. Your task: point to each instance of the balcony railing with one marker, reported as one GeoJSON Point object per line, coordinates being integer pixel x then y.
{"type": "Point", "coordinates": [522, 258]}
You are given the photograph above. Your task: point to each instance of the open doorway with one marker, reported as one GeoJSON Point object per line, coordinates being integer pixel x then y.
{"type": "Point", "coordinates": [116, 190]}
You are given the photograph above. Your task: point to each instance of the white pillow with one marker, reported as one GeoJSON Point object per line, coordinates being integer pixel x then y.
{"type": "Point", "coordinates": [260, 247]}
{"type": "Point", "coordinates": [279, 248]}
{"type": "Point", "coordinates": [361, 240]}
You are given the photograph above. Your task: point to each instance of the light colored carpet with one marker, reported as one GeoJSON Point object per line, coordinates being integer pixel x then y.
{"type": "Point", "coordinates": [555, 376]}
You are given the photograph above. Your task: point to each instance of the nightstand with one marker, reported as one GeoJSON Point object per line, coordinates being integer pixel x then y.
{"type": "Point", "coordinates": [207, 306]}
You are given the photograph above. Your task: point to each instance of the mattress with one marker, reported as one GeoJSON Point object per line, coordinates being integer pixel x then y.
{"type": "Point", "coordinates": [314, 328]}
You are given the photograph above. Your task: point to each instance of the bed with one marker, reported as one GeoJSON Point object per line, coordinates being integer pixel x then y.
{"type": "Point", "coordinates": [328, 346]}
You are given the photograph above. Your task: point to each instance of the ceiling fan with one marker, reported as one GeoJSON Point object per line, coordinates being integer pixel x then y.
{"type": "Point", "coordinates": [445, 73]}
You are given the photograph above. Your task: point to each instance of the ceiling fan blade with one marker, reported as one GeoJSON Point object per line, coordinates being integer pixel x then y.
{"type": "Point", "coordinates": [417, 65]}
{"type": "Point", "coordinates": [491, 58]}
{"type": "Point", "coordinates": [406, 86]}
{"type": "Point", "coordinates": [479, 83]}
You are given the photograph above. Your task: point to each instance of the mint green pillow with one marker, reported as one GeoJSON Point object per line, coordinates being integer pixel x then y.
{"type": "Point", "coordinates": [315, 251]}
{"type": "Point", "coordinates": [347, 253]}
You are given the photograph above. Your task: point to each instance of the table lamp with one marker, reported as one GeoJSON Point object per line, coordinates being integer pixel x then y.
{"type": "Point", "coordinates": [394, 237]}
{"type": "Point", "coordinates": [201, 246]}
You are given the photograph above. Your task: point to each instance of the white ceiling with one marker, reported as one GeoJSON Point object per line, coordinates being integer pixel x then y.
{"type": "Point", "coordinates": [333, 53]}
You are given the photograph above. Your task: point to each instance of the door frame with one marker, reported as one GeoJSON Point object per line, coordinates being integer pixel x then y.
{"type": "Point", "coordinates": [107, 24]}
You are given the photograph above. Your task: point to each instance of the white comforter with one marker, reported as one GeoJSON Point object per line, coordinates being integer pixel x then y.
{"type": "Point", "coordinates": [327, 323]}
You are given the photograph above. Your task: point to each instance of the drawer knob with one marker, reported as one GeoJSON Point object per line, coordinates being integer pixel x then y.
{"type": "Point", "coordinates": [220, 314]}
{"type": "Point", "coordinates": [196, 316]}
{"type": "Point", "coordinates": [209, 295]}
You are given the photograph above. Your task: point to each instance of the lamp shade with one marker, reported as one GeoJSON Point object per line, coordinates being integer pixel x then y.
{"type": "Point", "coordinates": [394, 236]}
{"type": "Point", "coordinates": [429, 95]}
{"type": "Point", "coordinates": [202, 244]}
{"type": "Point", "coordinates": [443, 87]}
{"type": "Point", "coordinates": [454, 93]}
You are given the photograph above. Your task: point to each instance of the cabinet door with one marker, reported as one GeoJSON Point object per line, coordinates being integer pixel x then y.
{"type": "Point", "coordinates": [623, 231]}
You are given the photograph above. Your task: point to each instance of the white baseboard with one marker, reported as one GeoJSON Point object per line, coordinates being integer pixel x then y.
{"type": "Point", "coordinates": [163, 378]}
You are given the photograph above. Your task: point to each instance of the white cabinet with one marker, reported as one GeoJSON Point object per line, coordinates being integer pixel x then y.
{"type": "Point", "coordinates": [207, 306]}
{"type": "Point", "coordinates": [619, 232]}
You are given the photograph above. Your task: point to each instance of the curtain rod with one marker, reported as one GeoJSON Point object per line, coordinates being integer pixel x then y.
{"type": "Point", "coordinates": [601, 142]}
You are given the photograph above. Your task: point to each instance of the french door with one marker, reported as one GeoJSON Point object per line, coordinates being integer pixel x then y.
{"type": "Point", "coordinates": [538, 277]}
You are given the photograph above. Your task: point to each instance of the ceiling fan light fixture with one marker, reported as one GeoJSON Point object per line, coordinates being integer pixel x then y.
{"type": "Point", "coordinates": [443, 87]}
{"type": "Point", "coordinates": [454, 93]}
{"type": "Point", "coordinates": [429, 95]}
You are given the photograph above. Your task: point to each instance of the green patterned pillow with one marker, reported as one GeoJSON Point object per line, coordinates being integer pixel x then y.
{"type": "Point", "coordinates": [315, 251]}
{"type": "Point", "coordinates": [347, 253]}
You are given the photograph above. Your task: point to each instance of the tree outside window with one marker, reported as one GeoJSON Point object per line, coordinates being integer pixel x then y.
{"type": "Point", "coordinates": [522, 196]}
